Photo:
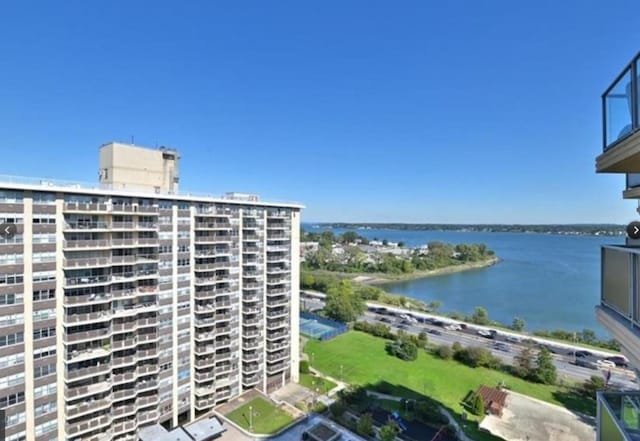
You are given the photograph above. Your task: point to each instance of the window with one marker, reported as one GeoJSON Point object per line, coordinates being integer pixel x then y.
{"type": "Point", "coordinates": [183, 248]}
{"type": "Point", "coordinates": [17, 238]}
{"type": "Point", "coordinates": [164, 219]}
{"type": "Point", "coordinates": [44, 333]}
{"type": "Point", "coordinates": [11, 279]}
{"type": "Point", "coordinates": [41, 371]}
{"type": "Point", "coordinates": [11, 360]}
{"type": "Point", "coordinates": [47, 389]}
{"type": "Point", "coordinates": [183, 205]}
{"type": "Point", "coordinates": [12, 380]}
{"type": "Point", "coordinates": [40, 198]}
{"type": "Point", "coordinates": [166, 249]}
{"type": "Point", "coordinates": [12, 420]}
{"type": "Point", "coordinates": [166, 205]}
{"type": "Point", "coordinates": [44, 238]}
{"type": "Point", "coordinates": [44, 257]}
{"type": "Point", "coordinates": [11, 259]}
{"type": "Point", "coordinates": [44, 314]}
{"type": "Point", "coordinates": [12, 319]}
{"type": "Point", "coordinates": [165, 235]}
{"type": "Point", "coordinates": [10, 196]}
{"type": "Point", "coordinates": [49, 351]}
{"type": "Point", "coordinates": [46, 408]}
{"type": "Point", "coordinates": [44, 294]}
{"type": "Point", "coordinates": [44, 219]}
{"type": "Point", "coordinates": [183, 262]}
{"type": "Point", "coordinates": [47, 427]}
{"type": "Point", "coordinates": [183, 305]}
{"type": "Point", "coordinates": [43, 276]}
{"type": "Point", "coordinates": [11, 339]}
{"type": "Point", "coordinates": [184, 234]}
{"type": "Point", "coordinates": [10, 299]}
{"type": "Point", "coordinates": [21, 436]}
{"type": "Point", "coordinates": [183, 374]}
{"type": "Point", "coordinates": [184, 221]}
{"type": "Point", "coordinates": [12, 218]}
{"type": "Point", "coordinates": [184, 277]}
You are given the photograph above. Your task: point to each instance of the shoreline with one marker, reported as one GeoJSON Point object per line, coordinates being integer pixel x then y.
{"type": "Point", "coordinates": [376, 279]}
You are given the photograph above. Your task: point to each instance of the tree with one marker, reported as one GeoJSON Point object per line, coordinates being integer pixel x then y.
{"type": "Point", "coordinates": [388, 432]}
{"type": "Point", "coordinates": [349, 237]}
{"type": "Point", "coordinates": [588, 336]}
{"type": "Point", "coordinates": [365, 425]}
{"type": "Point", "coordinates": [342, 303]}
{"type": "Point", "coordinates": [337, 409]}
{"type": "Point", "coordinates": [523, 363]}
{"type": "Point", "coordinates": [385, 242]}
{"type": "Point", "coordinates": [545, 371]}
{"type": "Point", "coordinates": [518, 324]}
{"type": "Point", "coordinates": [480, 316]}
{"type": "Point", "coordinates": [401, 244]}
{"type": "Point", "coordinates": [403, 348]}
{"type": "Point", "coordinates": [456, 346]}
{"type": "Point", "coordinates": [593, 385]}
{"type": "Point", "coordinates": [308, 281]}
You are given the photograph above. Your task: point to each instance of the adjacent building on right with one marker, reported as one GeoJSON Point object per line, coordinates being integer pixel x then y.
{"type": "Point", "coordinates": [619, 309]}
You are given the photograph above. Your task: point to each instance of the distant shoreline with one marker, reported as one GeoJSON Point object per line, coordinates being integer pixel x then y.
{"type": "Point", "coordinates": [604, 230]}
{"type": "Point", "coordinates": [382, 278]}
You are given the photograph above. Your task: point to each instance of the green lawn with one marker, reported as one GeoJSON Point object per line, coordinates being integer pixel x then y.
{"type": "Point", "coordinates": [314, 382]}
{"type": "Point", "coordinates": [267, 418]}
{"type": "Point", "coordinates": [365, 361]}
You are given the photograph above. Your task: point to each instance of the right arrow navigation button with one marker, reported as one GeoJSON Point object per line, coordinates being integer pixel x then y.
{"type": "Point", "coordinates": [633, 230]}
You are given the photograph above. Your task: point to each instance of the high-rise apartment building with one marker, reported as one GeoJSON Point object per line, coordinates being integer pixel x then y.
{"type": "Point", "coordinates": [619, 310]}
{"type": "Point", "coordinates": [128, 304]}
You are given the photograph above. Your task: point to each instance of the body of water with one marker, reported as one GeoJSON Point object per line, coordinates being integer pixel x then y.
{"type": "Point", "coordinates": [550, 281]}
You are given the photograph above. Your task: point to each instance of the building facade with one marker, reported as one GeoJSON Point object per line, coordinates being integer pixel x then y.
{"type": "Point", "coordinates": [121, 308]}
{"type": "Point", "coordinates": [619, 309]}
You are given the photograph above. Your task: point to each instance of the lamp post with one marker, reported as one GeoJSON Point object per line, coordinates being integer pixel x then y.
{"type": "Point", "coordinates": [250, 417]}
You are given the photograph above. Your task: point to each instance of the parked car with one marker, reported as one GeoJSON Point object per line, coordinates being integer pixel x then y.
{"type": "Point", "coordinates": [434, 332]}
{"type": "Point", "coordinates": [486, 334]}
{"type": "Point", "coordinates": [512, 339]}
{"type": "Point", "coordinates": [501, 347]}
{"type": "Point", "coordinates": [453, 327]}
{"type": "Point", "coordinates": [605, 363]}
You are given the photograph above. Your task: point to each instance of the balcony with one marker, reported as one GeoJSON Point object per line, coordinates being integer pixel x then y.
{"type": "Point", "coordinates": [621, 123]}
{"type": "Point", "coordinates": [619, 416]}
{"type": "Point", "coordinates": [619, 309]}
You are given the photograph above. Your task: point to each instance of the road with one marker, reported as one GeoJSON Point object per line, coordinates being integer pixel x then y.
{"type": "Point", "coordinates": [562, 358]}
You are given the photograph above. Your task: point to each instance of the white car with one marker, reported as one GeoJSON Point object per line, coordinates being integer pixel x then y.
{"type": "Point", "coordinates": [606, 363]}
{"type": "Point", "coordinates": [453, 327]}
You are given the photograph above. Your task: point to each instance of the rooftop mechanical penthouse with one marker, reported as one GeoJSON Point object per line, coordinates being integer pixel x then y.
{"type": "Point", "coordinates": [128, 304]}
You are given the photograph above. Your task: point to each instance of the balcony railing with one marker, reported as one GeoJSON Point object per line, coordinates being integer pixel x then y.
{"type": "Point", "coordinates": [620, 281]}
{"type": "Point", "coordinates": [620, 106]}
{"type": "Point", "coordinates": [619, 415]}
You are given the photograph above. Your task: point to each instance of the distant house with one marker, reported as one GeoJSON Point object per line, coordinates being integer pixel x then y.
{"type": "Point", "coordinates": [375, 243]}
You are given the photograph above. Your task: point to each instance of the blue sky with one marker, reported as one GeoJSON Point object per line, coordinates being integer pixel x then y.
{"type": "Point", "coordinates": [414, 111]}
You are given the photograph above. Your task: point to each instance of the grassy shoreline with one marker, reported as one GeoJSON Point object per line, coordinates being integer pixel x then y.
{"type": "Point", "coordinates": [384, 278]}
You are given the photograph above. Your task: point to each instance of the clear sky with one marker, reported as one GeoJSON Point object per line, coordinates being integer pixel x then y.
{"type": "Point", "coordinates": [413, 111]}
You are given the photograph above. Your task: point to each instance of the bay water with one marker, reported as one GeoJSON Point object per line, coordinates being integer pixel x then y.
{"type": "Point", "coordinates": [550, 281]}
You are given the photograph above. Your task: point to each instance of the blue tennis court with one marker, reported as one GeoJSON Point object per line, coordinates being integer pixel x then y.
{"type": "Point", "coordinates": [314, 326]}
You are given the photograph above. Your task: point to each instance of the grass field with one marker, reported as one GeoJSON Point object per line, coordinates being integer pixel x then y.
{"type": "Point", "coordinates": [365, 361]}
{"type": "Point", "coordinates": [267, 418]}
{"type": "Point", "coordinates": [312, 382]}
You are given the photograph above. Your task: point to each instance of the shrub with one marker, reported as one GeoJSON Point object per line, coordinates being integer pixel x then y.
{"type": "Point", "coordinates": [304, 367]}
{"type": "Point", "coordinates": [456, 346]}
{"type": "Point", "coordinates": [592, 385]}
{"type": "Point", "coordinates": [319, 407]}
{"type": "Point", "coordinates": [475, 357]}
{"type": "Point", "coordinates": [445, 352]}
{"type": "Point", "coordinates": [337, 409]}
{"type": "Point", "coordinates": [375, 329]}
{"type": "Point", "coordinates": [403, 348]}
{"type": "Point", "coordinates": [477, 405]}
{"type": "Point", "coordinates": [365, 425]}
{"type": "Point", "coordinates": [428, 412]}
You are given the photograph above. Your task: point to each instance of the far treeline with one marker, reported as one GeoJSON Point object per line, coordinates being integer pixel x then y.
{"type": "Point", "coordinates": [354, 260]}
{"type": "Point", "coordinates": [579, 229]}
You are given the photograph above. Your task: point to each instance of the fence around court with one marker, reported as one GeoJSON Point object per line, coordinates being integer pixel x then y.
{"type": "Point", "coordinates": [332, 328]}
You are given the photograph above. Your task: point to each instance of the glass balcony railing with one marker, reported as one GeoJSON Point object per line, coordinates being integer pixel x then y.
{"type": "Point", "coordinates": [620, 106]}
{"type": "Point", "coordinates": [633, 180]}
{"type": "Point", "coordinates": [619, 416]}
